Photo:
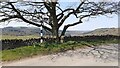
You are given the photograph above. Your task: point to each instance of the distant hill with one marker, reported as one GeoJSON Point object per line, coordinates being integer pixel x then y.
{"type": "Point", "coordinates": [74, 33]}
{"type": "Point", "coordinates": [22, 31]}
{"type": "Point", "coordinates": [103, 31]}
{"type": "Point", "coordinates": [25, 31]}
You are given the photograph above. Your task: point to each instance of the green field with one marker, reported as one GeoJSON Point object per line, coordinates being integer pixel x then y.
{"type": "Point", "coordinates": [19, 37]}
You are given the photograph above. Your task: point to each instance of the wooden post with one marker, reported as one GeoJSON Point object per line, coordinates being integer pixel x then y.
{"type": "Point", "coordinates": [41, 33]}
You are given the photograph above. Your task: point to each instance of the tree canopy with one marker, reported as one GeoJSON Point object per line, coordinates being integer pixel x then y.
{"type": "Point", "coordinates": [52, 14]}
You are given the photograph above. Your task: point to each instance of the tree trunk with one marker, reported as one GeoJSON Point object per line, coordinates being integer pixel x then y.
{"type": "Point", "coordinates": [55, 29]}
{"type": "Point", "coordinates": [55, 33]}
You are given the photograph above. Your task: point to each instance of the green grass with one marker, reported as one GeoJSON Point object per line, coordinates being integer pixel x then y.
{"type": "Point", "coordinates": [19, 37]}
{"type": "Point", "coordinates": [18, 53]}
{"type": "Point", "coordinates": [48, 48]}
{"type": "Point", "coordinates": [37, 49]}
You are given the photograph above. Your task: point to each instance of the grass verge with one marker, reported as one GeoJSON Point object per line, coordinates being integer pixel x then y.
{"type": "Point", "coordinates": [48, 48]}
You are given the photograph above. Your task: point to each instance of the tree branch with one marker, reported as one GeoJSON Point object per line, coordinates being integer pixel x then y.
{"type": "Point", "coordinates": [69, 25]}
{"type": "Point", "coordinates": [25, 20]}
{"type": "Point", "coordinates": [10, 17]}
{"type": "Point", "coordinates": [74, 11]}
{"type": "Point", "coordinates": [65, 17]}
{"type": "Point", "coordinates": [14, 8]}
{"type": "Point", "coordinates": [47, 7]}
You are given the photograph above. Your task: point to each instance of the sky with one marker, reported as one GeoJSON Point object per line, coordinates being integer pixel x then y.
{"type": "Point", "coordinates": [88, 24]}
{"type": "Point", "coordinates": [64, 0]}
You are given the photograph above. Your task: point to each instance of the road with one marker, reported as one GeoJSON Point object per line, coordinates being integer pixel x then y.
{"type": "Point", "coordinates": [89, 56]}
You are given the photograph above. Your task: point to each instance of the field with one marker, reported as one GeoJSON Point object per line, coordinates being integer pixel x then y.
{"type": "Point", "coordinates": [18, 37]}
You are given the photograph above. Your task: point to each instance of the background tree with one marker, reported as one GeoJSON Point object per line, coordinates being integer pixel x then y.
{"type": "Point", "coordinates": [52, 14]}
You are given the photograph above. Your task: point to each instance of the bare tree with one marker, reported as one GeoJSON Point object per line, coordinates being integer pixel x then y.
{"type": "Point", "coordinates": [52, 14]}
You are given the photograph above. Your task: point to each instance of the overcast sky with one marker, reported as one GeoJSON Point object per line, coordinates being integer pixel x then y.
{"type": "Point", "coordinates": [88, 24]}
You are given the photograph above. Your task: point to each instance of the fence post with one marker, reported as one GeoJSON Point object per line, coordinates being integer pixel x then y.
{"type": "Point", "coordinates": [41, 34]}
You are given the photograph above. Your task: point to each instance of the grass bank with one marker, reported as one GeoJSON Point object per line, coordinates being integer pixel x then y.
{"type": "Point", "coordinates": [48, 48]}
